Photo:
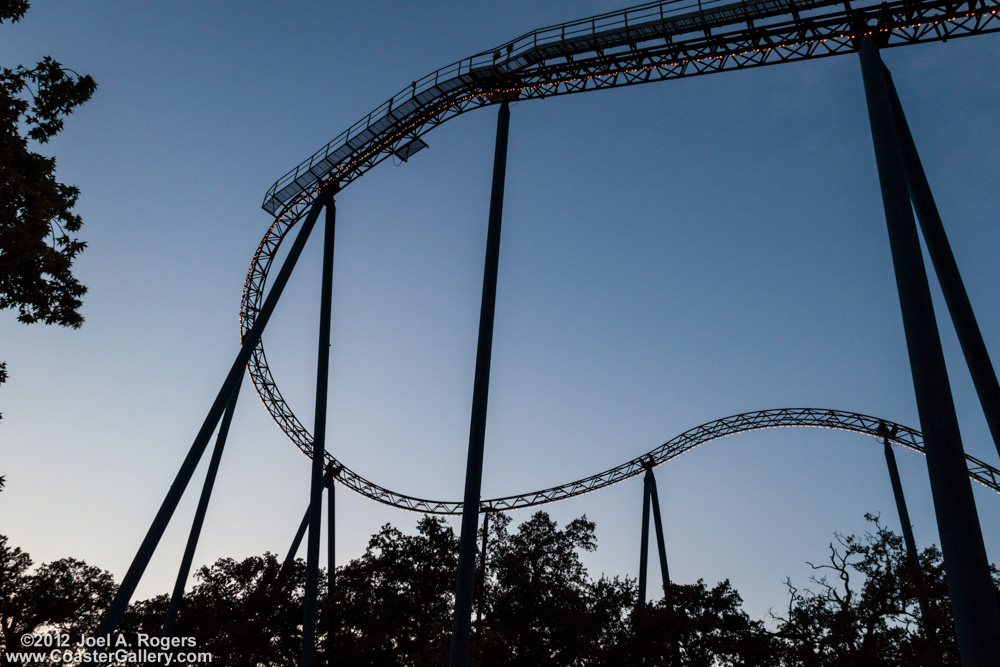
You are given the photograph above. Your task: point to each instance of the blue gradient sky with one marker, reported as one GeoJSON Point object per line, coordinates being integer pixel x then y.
{"type": "Point", "coordinates": [671, 254]}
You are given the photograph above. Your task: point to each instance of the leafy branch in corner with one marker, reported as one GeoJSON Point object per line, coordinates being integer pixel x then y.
{"type": "Point", "coordinates": [38, 228]}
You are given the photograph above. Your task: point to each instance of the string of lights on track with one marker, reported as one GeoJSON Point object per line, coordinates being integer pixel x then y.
{"type": "Point", "coordinates": [841, 420]}
{"type": "Point", "coordinates": [651, 42]}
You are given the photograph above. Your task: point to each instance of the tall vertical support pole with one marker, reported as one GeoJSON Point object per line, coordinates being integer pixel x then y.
{"type": "Point", "coordinates": [904, 519]}
{"type": "Point", "coordinates": [661, 547]}
{"type": "Point", "coordinates": [111, 618]}
{"type": "Point", "coordinates": [957, 299]}
{"type": "Point", "coordinates": [300, 534]}
{"type": "Point", "coordinates": [331, 568]}
{"type": "Point", "coordinates": [319, 443]}
{"type": "Point", "coordinates": [481, 597]}
{"type": "Point", "coordinates": [199, 517]}
{"type": "Point", "coordinates": [643, 545]}
{"type": "Point", "coordinates": [462, 621]}
{"type": "Point", "coordinates": [897, 492]}
{"type": "Point", "coordinates": [973, 597]}
{"type": "Point", "coordinates": [660, 542]}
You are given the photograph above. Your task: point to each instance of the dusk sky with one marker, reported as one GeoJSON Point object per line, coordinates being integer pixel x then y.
{"type": "Point", "coordinates": [672, 253]}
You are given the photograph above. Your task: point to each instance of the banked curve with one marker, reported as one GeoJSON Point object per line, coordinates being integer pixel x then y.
{"type": "Point", "coordinates": [651, 42]}
{"type": "Point", "coordinates": [631, 46]}
{"type": "Point", "coordinates": [874, 427]}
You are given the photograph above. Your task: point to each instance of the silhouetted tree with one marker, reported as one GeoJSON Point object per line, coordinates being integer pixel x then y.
{"type": "Point", "coordinates": [394, 603]}
{"type": "Point", "coordinates": [37, 225]}
{"type": "Point", "coordinates": [541, 606]}
{"type": "Point", "coordinates": [145, 616]}
{"type": "Point", "coordinates": [393, 606]}
{"type": "Point", "coordinates": [243, 612]}
{"type": "Point", "coordinates": [864, 608]}
{"type": "Point", "coordinates": [540, 609]}
{"type": "Point", "coordinates": [704, 627]}
{"type": "Point", "coordinates": [14, 566]}
{"type": "Point", "coordinates": [66, 596]}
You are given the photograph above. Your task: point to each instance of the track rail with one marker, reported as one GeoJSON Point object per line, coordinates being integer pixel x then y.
{"type": "Point", "coordinates": [841, 420]}
{"type": "Point", "coordinates": [647, 43]}
{"type": "Point", "coordinates": [651, 42]}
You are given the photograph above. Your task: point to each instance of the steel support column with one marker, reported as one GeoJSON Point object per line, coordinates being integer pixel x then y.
{"type": "Point", "coordinates": [300, 534]}
{"type": "Point", "coordinates": [904, 520]}
{"type": "Point", "coordinates": [126, 589]}
{"type": "Point", "coordinates": [643, 545]}
{"type": "Point", "coordinates": [661, 547]}
{"type": "Point", "coordinates": [946, 268]}
{"type": "Point", "coordinates": [199, 517]}
{"type": "Point", "coordinates": [973, 597]}
{"type": "Point", "coordinates": [481, 596]}
{"type": "Point", "coordinates": [331, 533]}
{"type": "Point", "coordinates": [331, 566]}
{"type": "Point", "coordinates": [660, 542]}
{"type": "Point", "coordinates": [897, 492]}
{"type": "Point", "coordinates": [319, 442]}
{"type": "Point", "coordinates": [462, 621]}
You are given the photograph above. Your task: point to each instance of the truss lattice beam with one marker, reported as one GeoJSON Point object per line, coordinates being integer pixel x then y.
{"type": "Point", "coordinates": [855, 422]}
{"type": "Point", "coordinates": [652, 42]}
{"type": "Point", "coordinates": [641, 44]}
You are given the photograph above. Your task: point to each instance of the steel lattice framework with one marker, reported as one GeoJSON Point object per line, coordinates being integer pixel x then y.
{"type": "Point", "coordinates": [651, 42]}
{"type": "Point", "coordinates": [841, 420]}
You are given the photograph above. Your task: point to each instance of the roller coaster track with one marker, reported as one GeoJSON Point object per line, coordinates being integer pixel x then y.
{"type": "Point", "coordinates": [897, 434]}
{"type": "Point", "coordinates": [651, 42]}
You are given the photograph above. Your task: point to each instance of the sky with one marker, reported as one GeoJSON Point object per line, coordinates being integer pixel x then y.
{"type": "Point", "coordinates": [672, 253]}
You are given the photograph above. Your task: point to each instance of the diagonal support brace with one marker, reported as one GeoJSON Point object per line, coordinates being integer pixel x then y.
{"type": "Point", "coordinates": [970, 587]}
{"type": "Point", "coordinates": [112, 617]}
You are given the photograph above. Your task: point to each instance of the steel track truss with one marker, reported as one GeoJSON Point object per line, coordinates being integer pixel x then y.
{"type": "Point", "coordinates": [855, 422]}
{"type": "Point", "coordinates": [648, 43]}
{"type": "Point", "coordinates": [651, 42]}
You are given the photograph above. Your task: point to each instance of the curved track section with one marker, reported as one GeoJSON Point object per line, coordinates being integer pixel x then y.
{"type": "Point", "coordinates": [699, 435]}
{"type": "Point", "coordinates": [651, 42]}
{"type": "Point", "coordinates": [642, 44]}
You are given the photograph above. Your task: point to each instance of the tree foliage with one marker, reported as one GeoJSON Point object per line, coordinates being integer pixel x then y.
{"type": "Point", "coordinates": [542, 608]}
{"type": "Point", "coordinates": [701, 627]}
{"type": "Point", "coordinates": [869, 605]}
{"type": "Point", "coordinates": [38, 242]}
{"type": "Point", "coordinates": [65, 596]}
{"type": "Point", "coordinates": [866, 606]}
{"type": "Point", "coordinates": [393, 604]}
{"type": "Point", "coordinates": [248, 611]}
